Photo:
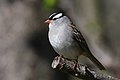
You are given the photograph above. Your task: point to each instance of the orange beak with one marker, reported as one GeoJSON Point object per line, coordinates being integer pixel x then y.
{"type": "Point", "coordinates": [48, 21]}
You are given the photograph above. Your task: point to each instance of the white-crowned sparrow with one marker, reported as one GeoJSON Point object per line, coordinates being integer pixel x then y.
{"type": "Point", "coordinates": [67, 40]}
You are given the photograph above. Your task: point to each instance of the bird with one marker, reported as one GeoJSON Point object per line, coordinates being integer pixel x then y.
{"type": "Point", "coordinates": [67, 40]}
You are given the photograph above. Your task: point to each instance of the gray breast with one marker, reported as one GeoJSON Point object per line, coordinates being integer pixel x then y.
{"type": "Point", "coordinates": [61, 38]}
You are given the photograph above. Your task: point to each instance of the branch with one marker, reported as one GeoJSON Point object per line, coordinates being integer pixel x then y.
{"type": "Point", "coordinates": [80, 71]}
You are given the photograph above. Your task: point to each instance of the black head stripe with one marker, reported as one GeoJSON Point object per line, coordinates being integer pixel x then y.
{"type": "Point", "coordinates": [52, 15]}
{"type": "Point", "coordinates": [55, 16]}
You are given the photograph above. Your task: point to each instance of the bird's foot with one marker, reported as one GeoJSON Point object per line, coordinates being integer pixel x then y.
{"type": "Point", "coordinates": [61, 65]}
{"type": "Point", "coordinates": [75, 64]}
{"type": "Point", "coordinates": [75, 67]}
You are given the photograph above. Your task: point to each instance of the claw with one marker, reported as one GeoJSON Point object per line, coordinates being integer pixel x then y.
{"type": "Point", "coordinates": [75, 64]}
{"type": "Point", "coordinates": [61, 65]}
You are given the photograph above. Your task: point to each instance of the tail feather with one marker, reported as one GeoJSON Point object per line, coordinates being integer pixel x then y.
{"type": "Point", "coordinates": [96, 62]}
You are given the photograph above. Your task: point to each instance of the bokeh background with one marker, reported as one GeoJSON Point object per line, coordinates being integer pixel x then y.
{"type": "Point", "coordinates": [25, 52]}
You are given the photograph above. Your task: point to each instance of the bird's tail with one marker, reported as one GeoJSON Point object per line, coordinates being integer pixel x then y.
{"type": "Point", "coordinates": [96, 62]}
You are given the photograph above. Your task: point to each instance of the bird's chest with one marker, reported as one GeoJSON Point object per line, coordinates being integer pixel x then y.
{"type": "Point", "coordinates": [60, 38]}
{"type": "Point", "coordinates": [64, 45]}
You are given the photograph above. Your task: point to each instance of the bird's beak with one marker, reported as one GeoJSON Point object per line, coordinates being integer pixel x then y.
{"type": "Point", "coordinates": [48, 21]}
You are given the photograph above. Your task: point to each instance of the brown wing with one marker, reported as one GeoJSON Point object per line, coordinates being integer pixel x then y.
{"type": "Point", "coordinates": [82, 43]}
{"type": "Point", "coordinates": [80, 39]}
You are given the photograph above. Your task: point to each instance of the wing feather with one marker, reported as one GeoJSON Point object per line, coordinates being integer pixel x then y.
{"type": "Point", "coordinates": [80, 39]}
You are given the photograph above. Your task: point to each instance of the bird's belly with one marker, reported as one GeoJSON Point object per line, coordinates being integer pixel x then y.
{"type": "Point", "coordinates": [68, 48]}
{"type": "Point", "coordinates": [64, 44]}
{"type": "Point", "coordinates": [70, 52]}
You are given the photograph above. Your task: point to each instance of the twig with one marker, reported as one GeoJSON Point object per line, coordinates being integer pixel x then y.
{"type": "Point", "coordinates": [80, 71]}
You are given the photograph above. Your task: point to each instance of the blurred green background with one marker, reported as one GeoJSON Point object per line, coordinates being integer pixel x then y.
{"type": "Point", "coordinates": [25, 52]}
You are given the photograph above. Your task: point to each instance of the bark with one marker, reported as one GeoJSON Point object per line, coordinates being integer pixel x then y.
{"type": "Point", "coordinates": [78, 70]}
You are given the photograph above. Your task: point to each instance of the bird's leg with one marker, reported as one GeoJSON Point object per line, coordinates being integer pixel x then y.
{"type": "Point", "coordinates": [75, 64]}
{"type": "Point", "coordinates": [61, 66]}
{"type": "Point", "coordinates": [61, 56]}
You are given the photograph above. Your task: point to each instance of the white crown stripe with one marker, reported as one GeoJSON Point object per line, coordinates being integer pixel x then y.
{"type": "Point", "coordinates": [52, 15]}
{"type": "Point", "coordinates": [58, 15]}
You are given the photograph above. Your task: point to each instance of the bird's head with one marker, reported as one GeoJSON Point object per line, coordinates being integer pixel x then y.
{"type": "Point", "coordinates": [55, 17]}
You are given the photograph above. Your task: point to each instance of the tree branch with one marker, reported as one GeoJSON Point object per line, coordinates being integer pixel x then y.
{"type": "Point", "coordinates": [78, 70]}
